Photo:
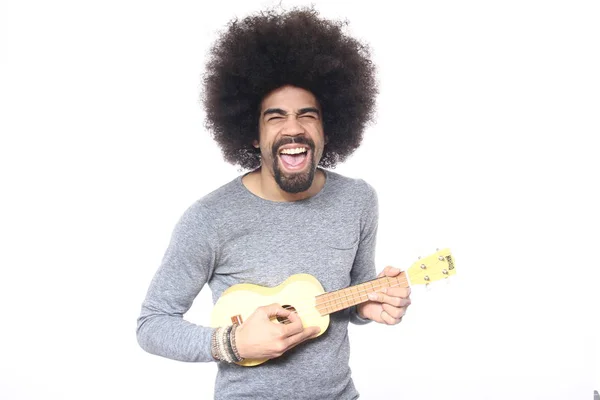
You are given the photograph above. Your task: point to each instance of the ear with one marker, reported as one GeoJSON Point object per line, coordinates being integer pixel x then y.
{"type": "Point", "coordinates": [255, 143]}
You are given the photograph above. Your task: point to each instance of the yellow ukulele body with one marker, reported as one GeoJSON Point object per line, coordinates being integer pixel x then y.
{"type": "Point", "coordinates": [299, 291]}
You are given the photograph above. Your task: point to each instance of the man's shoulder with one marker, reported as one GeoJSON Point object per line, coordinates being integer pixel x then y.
{"type": "Point", "coordinates": [230, 191]}
{"type": "Point", "coordinates": [346, 184]}
{"type": "Point", "coordinates": [213, 203]}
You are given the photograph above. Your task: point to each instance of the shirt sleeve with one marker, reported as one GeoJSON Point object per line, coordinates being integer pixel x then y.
{"type": "Point", "coordinates": [187, 265]}
{"type": "Point", "coordinates": [363, 268]}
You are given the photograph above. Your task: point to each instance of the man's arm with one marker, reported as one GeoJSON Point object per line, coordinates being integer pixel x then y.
{"type": "Point", "coordinates": [186, 266]}
{"type": "Point", "coordinates": [188, 263]}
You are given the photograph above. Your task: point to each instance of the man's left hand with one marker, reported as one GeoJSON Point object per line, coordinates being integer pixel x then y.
{"type": "Point", "coordinates": [389, 305]}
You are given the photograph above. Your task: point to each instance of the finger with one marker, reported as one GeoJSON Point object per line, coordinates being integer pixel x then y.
{"type": "Point", "coordinates": [403, 292]}
{"type": "Point", "coordinates": [300, 337]}
{"type": "Point", "coordinates": [394, 312]}
{"type": "Point", "coordinates": [275, 310]}
{"type": "Point", "coordinates": [389, 271]}
{"type": "Point", "coordinates": [391, 300]}
{"type": "Point", "coordinates": [388, 319]}
{"type": "Point", "coordinates": [294, 317]}
{"type": "Point", "coordinates": [294, 327]}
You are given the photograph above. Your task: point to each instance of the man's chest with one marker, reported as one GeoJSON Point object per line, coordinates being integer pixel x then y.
{"type": "Point", "coordinates": [281, 245]}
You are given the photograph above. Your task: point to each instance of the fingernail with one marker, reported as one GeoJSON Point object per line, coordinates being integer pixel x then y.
{"type": "Point", "coordinates": [372, 296]}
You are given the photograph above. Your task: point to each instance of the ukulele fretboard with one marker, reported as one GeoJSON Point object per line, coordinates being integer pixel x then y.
{"type": "Point", "coordinates": [331, 302]}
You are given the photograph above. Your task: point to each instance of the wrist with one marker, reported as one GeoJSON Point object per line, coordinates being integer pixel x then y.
{"type": "Point", "coordinates": [223, 344]}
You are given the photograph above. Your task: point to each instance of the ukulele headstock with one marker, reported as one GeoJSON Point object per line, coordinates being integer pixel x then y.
{"type": "Point", "coordinates": [435, 267]}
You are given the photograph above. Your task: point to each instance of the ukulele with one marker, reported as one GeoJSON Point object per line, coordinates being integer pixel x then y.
{"type": "Point", "coordinates": [304, 295]}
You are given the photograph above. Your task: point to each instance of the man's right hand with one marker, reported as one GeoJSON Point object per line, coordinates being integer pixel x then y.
{"type": "Point", "coordinates": [260, 338]}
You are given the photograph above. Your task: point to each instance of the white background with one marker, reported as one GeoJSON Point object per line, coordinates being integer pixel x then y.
{"type": "Point", "coordinates": [483, 143]}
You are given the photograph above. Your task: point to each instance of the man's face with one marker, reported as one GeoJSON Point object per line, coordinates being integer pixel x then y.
{"type": "Point", "coordinates": [291, 137]}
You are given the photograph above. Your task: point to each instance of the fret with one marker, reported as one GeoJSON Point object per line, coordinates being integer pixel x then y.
{"type": "Point", "coordinates": [331, 302]}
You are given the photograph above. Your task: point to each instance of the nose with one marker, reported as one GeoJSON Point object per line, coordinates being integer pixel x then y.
{"type": "Point", "coordinates": [292, 126]}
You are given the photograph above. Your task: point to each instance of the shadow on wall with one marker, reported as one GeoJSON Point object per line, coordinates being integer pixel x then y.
{"type": "Point", "coordinates": [596, 395]}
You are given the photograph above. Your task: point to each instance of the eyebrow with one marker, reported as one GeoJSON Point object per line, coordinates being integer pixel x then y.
{"type": "Point", "coordinates": [280, 111]}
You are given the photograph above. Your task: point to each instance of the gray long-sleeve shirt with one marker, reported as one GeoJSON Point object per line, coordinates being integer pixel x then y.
{"type": "Point", "coordinates": [232, 236]}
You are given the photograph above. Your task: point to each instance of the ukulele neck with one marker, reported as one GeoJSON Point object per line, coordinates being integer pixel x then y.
{"type": "Point", "coordinates": [328, 303]}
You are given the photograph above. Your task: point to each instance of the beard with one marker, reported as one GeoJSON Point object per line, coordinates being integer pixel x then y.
{"type": "Point", "coordinates": [295, 182]}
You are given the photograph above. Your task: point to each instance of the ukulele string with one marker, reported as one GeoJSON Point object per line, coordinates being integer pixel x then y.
{"type": "Point", "coordinates": [362, 298]}
{"type": "Point", "coordinates": [360, 292]}
{"type": "Point", "coordinates": [341, 303]}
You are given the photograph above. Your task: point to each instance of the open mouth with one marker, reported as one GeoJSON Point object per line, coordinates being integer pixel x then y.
{"type": "Point", "coordinates": [294, 158]}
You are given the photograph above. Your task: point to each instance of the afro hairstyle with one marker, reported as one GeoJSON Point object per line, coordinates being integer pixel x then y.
{"type": "Point", "coordinates": [270, 49]}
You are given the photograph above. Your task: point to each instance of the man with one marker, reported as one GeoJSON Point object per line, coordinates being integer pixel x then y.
{"type": "Point", "coordinates": [286, 95]}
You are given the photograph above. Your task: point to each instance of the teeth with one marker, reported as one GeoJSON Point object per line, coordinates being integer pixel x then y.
{"type": "Point", "coordinates": [296, 150]}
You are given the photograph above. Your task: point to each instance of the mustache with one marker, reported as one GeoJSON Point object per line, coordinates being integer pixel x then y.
{"type": "Point", "coordinates": [292, 140]}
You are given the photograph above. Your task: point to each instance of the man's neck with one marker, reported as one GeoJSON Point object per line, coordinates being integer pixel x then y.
{"type": "Point", "coordinates": [262, 184]}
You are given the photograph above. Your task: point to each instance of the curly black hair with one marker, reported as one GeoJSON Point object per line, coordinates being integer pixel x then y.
{"type": "Point", "coordinates": [270, 49]}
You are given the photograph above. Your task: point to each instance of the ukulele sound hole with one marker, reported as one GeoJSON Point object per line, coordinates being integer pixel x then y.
{"type": "Point", "coordinates": [284, 320]}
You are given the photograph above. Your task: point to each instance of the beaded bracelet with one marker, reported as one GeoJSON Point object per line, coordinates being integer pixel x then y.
{"type": "Point", "coordinates": [233, 345]}
{"type": "Point", "coordinates": [221, 342]}
{"type": "Point", "coordinates": [223, 346]}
